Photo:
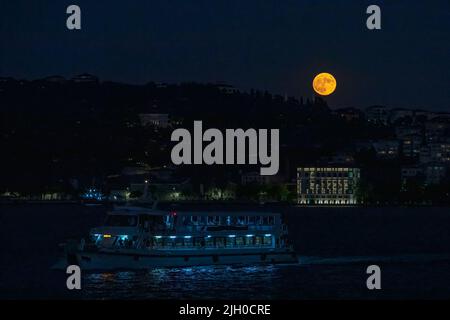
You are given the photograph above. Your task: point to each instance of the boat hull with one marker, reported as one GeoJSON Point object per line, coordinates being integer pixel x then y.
{"type": "Point", "coordinates": [105, 260]}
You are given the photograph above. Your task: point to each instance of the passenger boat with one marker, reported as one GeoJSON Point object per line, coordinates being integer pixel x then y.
{"type": "Point", "coordinates": [141, 238]}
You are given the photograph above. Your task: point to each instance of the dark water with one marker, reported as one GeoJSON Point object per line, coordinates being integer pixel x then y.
{"type": "Point", "coordinates": [411, 245]}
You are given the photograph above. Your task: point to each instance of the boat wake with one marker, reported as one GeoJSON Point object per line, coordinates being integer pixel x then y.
{"type": "Point", "coordinates": [406, 258]}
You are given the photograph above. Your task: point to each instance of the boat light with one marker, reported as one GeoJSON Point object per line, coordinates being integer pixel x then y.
{"type": "Point", "coordinates": [158, 237]}
{"type": "Point", "coordinates": [232, 236]}
{"type": "Point", "coordinates": [106, 236]}
{"type": "Point", "coordinates": [208, 236]}
{"type": "Point", "coordinates": [249, 235]}
{"type": "Point", "coordinates": [172, 237]}
{"type": "Point", "coordinates": [267, 235]}
{"type": "Point", "coordinates": [187, 237]}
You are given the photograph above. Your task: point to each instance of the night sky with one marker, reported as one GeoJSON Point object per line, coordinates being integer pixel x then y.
{"type": "Point", "coordinates": [273, 45]}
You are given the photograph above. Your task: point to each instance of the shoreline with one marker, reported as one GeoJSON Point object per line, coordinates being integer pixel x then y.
{"type": "Point", "coordinates": [215, 203]}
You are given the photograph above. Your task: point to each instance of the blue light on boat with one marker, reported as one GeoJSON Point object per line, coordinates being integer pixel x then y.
{"type": "Point", "coordinates": [208, 236]}
{"type": "Point", "coordinates": [158, 237]}
{"type": "Point", "coordinates": [231, 236]}
{"type": "Point", "coordinates": [187, 237]}
{"type": "Point", "coordinates": [267, 235]}
{"type": "Point", "coordinates": [250, 235]}
{"type": "Point", "coordinates": [172, 237]}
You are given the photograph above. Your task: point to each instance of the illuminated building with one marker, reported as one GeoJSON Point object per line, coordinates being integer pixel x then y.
{"type": "Point", "coordinates": [436, 152]}
{"type": "Point", "coordinates": [377, 115]}
{"type": "Point", "coordinates": [327, 185]}
{"type": "Point", "coordinates": [410, 145]}
{"type": "Point", "coordinates": [386, 149]}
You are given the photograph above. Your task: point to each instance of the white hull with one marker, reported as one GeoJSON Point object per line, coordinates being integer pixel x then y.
{"type": "Point", "coordinates": [106, 260]}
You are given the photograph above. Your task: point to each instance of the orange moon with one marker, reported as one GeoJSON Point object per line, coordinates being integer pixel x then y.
{"type": "Point", "coordinates": [324, 84]}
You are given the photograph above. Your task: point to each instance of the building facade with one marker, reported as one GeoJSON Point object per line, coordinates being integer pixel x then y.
{"type": "Point", "coordinates": [327, 185]}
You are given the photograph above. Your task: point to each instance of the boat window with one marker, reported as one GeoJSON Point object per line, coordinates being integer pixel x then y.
{"type": "Point", "coordinates": [252, 220]}
{"type": "Point", "coordinates": [121, 221]}
{"type": "Point", "coordinates": [230, 242]}
{"type": "Point", "coordinates": [151, 220]}
{"type": "Point", "coordinates": [199, 242]}
{"type": "Point", "coordinates": [240, 241]}
{"type": "Point", "coordinates": [188, 242]}
{"type": "Point", "coordinates": [219, 242]}
{"type": "Point", "coordinates": [158, 242]}
{"type": "Point", "coordinates": [170, 242]}
{"type": "Point", "coordinates": [179, 242]}
{"type": "Point", "coordinates": [186, 221]}
{"type": "Point", "coordinates": [209, 241]}
{"type": "Point", "coordinates": [267, 241]}
{"type": "Point", "coordinates": [203, 220]}
{"type": "Point", "coordinates": [224, 220]}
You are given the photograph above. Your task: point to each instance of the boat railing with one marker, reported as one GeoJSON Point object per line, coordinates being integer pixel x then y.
{"type": "Point", "coordinates": [209, 247]}
{"type": "Point", "coordinates": [201, 228]}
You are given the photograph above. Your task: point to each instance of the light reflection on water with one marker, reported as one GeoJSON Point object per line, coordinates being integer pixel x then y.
{"type": "Point", "coordinates": [183, 283]}
{"type": "Point", "coordinates": [339, 277]}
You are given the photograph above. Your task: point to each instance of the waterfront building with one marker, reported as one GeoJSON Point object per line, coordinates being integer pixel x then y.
{"type": "Point", "coordinates": [327, 185]}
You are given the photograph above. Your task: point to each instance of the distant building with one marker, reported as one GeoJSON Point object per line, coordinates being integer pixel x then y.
{"type": "Point", "coordinates": [255, 177]}
{"type": "Point", "coordinates": [404, 131]}
{"type": "Point", "coordinates": [436, 152]}
{"type": "Point", "coordinates": [423, 114]}
{"type": "Point", "coordinates": [342, 158]}
{"type": "Point", "coordinates": [399, 114]}
{"type": "Point", "coordinates": [434, 173]}
{"type": "Point", "coordinates": [159, 120]}
{"type": "Point", "coordinates": [349, 114]}
{"type": "Point", "coordinates": [226, 88]}
{"type": "Point", "coordinates": [377, 115]}
{"type": "Point", "coordinates": [386, 149]}
{"type": "Point", "coordinates": [411, 145]}
{"type": "Point", "coordinates": [411, 173]}
{"type": "Point", "coordinates": [327, 185]}
{"type": "Point", "coordinates": [436, 128]}
{"type": "Point", "coordinates": [55, 79]}
{"type": "Point", "coordinates": [135, 170]}
{"type": "Point", "coordinates": [85, 78]}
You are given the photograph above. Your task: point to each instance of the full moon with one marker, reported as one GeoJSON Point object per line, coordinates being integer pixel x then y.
{"type": "Point", "coordinates": [324, 84]}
